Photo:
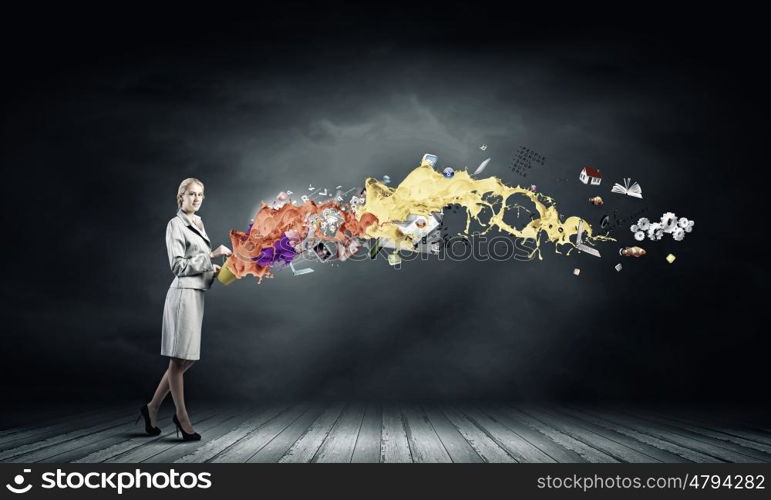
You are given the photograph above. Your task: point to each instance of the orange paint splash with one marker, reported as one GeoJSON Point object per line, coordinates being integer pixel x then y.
{"type": "Point", "coordinates": [271, 224]}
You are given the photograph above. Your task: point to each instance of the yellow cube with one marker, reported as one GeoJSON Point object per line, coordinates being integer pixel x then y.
{"type": "Point", "coordinates": [394, 259]}
{"type": "Point", "coordinates": [671, 258]}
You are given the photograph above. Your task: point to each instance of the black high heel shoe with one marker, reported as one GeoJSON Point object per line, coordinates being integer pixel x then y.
{"type": "Point", "coordinates": [144, 412]}
{"type": "Point", "coordinates": [185, 436]}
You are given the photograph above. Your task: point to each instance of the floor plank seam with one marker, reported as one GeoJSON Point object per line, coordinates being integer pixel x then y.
{"type": "Point", "coordinates": [248, 434]}
{"type": "Point", "coordinates": [661, 437]}
{"type": "Point", "coordinates": [700, 438]}
{"type": "Point", "coordinates": [358, 433]}
{"type": "Point", "coordinates": [615, 441]}
{"type": "Point", "coordinates": [502, 446]}
{"type": "Point", "coordinates": [534, 445]}
{"type": "Point", "coordinates": [433, 428]}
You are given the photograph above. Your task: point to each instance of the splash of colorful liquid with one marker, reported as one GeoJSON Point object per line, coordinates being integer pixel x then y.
{"type": "Point", "coordinates": [423, 192]}
{"type": "Point", "coordinates": [288, 225]}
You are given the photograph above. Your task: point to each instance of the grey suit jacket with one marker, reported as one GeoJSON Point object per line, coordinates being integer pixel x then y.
{"type": "Point", "coordinates": [188, 247]}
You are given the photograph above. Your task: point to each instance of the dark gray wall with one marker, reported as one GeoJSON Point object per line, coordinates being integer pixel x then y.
{"type": "Point", "coordinates": [102, 120]}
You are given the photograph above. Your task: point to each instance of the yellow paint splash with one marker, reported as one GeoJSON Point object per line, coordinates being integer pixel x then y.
{"type": "Point", "coordinates": [425, 190]}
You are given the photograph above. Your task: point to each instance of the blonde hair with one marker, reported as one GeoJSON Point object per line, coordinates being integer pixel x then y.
{"type": "Point", "coordinates": [183, 187]}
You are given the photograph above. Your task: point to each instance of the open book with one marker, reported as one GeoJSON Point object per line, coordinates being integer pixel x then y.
{"type": "Point", "coordinates": [629, 190]}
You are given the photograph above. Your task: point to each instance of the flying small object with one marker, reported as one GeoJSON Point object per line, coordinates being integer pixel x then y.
{"type": "Point", "coordinates": [429, 159]}
{"type": "Point", "coordinates": [394, 259]}
{"type": "Point", "coordinates": [580, 244]}
{"type": "Point", "coordinates": [629, 188]}
{"type": "Point", "coordinates": [481, 166]}
{"type": "Point", "coordinates": [632, 252]}
{"type": "Point", "coordinates": [300, 272]}
{"type": "Point", "coordinates": [596, 201]}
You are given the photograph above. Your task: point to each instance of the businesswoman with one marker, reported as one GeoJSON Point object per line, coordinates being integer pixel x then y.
{"type": "Point", "coordinates": [190, 258]}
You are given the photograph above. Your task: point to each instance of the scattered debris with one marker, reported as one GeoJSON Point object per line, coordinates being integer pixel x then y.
{"type": "Point", "coordinates": [356, 202]}
{"type": "Point", "coordinates": [481, 166]}
{"type": "Point", "coordinates": [418, 226]}
{"type": "Point", "coordinates": [326, 226]}
{"type": "Point", "coordinates": [525, 159]}
{"type": "Point", "coordinates": [335, 229]}
{"type": "Point", "coordinates": [580, 243]}
{"type": "Point", "coordinates": [669, 224]}
{"type": "Point", "coordinates": [344, 252]}
{"type": "Point", "coordinates": [324, 250]}
{"type": "Point", "coordinates": [394, 259]}
{"type": "Point", "coordinates": [331, 220]}
{"type": "Point", "coordinates": [630, 190]}
{"type": "Point", "coordinates": [375, 249]}
{"type": "Point", "coordinates": [300, 272]}
{"type": "Point", "coordinates": [590, 175]}
{"type": "Point", "coordinates": [632, 252]}
{"type": "Point", "coordinates": [281, 199]}
{"type": "Point", "coordinates": [429, 159]}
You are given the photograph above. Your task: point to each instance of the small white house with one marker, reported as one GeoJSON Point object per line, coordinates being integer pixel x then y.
{"type": "Point", "coordinates": [591, 176]}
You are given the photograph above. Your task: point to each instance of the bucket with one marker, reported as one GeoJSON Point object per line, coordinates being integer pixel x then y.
{"type": "Point", "coordinates": [226, 276]}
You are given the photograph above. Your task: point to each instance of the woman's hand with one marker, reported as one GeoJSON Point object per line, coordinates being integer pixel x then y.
{"type": "Point", "coordinates": [220, 251]}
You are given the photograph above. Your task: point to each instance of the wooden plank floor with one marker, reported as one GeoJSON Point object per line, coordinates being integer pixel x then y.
{"type": "Point", "coordinates": [395, 432]}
